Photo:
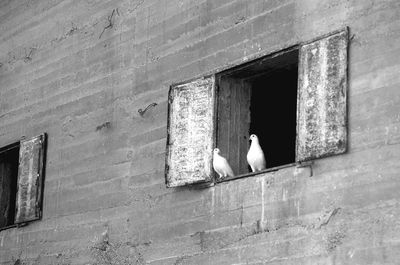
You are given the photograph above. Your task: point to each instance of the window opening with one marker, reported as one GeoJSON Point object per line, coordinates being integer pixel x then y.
{"type": "Point", "coordinates": [259, 98]}
{"type": "Point", "coordinates": [9, 157]}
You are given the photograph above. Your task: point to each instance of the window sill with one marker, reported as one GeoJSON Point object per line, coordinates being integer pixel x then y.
{"type": "Point", "coordinates": [7, 227]}
{"type": "Point", "coordinates": [12, 226]}
{"type": "Point", "coordinates": [272, 169]}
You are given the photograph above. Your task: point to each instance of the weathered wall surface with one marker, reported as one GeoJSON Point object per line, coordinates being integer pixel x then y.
{"type": "Point", "coordinates": [80, 70]}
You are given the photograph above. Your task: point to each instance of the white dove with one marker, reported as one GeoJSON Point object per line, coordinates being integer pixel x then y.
{"type": "Point", "coordinates": [221, 166]}
{"type": "Point", "coordinates": [255, 156]}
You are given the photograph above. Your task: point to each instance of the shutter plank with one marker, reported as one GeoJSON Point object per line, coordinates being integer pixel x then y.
{"type": "Point", "coordinates": [30, 179]}
{"type": "Point", "coordinates": [322, 107]}
{"type": "Point", "coordinates": [190, 133]}
{"type": "Point", "coordinates": [234, 97]}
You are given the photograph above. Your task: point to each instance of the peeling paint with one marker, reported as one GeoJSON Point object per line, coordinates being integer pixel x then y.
{"type": "Point", "coordinates": [106, 125]}
{"type": "Point", "coordinates": [334, 240]}
{"type": "Point", "coordinates": [326, 218]}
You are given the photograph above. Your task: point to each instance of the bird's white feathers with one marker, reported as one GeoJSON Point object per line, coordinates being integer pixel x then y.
{"type": "Point", "coordinates": [221, 165]}
{"type": "Point", "coordinates": [255, 156]}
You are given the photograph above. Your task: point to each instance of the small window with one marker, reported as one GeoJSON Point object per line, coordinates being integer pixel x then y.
{"type": "Point", "coordinates": [21, 181]}
{"type": "Point", "coordinates": [8, 183]}
{"type": "Point", "coordinates": [294, 100]}
{"type": "Point", "coordinates": [259, 98]}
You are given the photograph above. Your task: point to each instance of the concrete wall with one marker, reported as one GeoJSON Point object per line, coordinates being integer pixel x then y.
{"type": "Point", "coordinates": [80, 70]}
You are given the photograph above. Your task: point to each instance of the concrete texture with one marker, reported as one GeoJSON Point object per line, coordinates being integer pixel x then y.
{"type": "Point", "coordinates": [80, 70]}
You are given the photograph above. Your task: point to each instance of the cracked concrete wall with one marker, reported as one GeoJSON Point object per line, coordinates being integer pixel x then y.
{"type": "Point", "coordinates": [81, 70]}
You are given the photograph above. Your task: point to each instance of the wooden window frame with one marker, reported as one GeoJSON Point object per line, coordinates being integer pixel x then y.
{"type": "Point", "coordinates": [31, 172]}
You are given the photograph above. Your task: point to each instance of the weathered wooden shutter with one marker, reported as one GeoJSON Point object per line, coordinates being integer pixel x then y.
{"type": "Point", "coordinates": [30, 179]}
{"type": "Point", "coordinates": [190, 132]}
{"type": "Point", "coordinates": [234, 96]}
{"type": "Point", "coordinates": [322, 113]}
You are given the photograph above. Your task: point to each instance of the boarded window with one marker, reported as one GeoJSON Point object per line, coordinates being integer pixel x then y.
{"type": "Point", "coordinates": [30, 179]}
{"type": "Point", "coordinates": [21, 181]}
{"type": "Point", "coordinates": [190, 132]}
{"type": "Point", "coordinates": [321, 126]}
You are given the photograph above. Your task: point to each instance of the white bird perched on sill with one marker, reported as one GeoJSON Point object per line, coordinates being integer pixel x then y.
{"type": "Point", "coordinates": [255, 156]}
{"type": "Point", "coordinates": [221, 165]}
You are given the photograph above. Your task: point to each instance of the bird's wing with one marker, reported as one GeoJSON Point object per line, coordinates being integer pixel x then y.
{"type": "Point", "coordinates": [221, 166]}
{"type": "Point", "coordinates": [262, 159]}
{"type": "Point", "coordinates": [256, 158]}
{"type": "Point", "coordinates": [227, 168]}
{"type": "Point", "coordinates": [230, 171]}
{"type": "Point", "coordinates": [218, 163]}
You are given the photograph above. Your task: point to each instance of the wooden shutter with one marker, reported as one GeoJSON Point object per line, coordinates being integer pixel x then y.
{"type": "Point", "coordinates": [30, 179]}
{"type": "Point", "coordinates": [190, 132]}
{"type": "Point", "coordinates": [234, 96]}
{"type": "Point", "coordinates": [321, 125]}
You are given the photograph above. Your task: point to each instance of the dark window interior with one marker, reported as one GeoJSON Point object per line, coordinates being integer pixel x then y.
{"type": "Point", "coordinates": [273, 114]}
{"type": "Point", "coordinates": [259, 98]}
{"type": "Point", "coordinates": [8, 183]}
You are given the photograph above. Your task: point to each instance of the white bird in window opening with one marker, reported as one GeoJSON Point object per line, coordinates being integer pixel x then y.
{"type": "Point", "coordinates": [221, 165]}
{"type": "Point", "coordinates": [255, 156]}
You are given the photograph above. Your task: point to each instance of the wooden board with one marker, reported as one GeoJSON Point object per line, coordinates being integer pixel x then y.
{"type": "Point", "coordinates": [234, 96]}
{"type": "Point", "coordinates": [190, 132]}
{"type": "Point", "coordinates": [30, 179]}
{"type": "Point", "coordinates": [322, 110]}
